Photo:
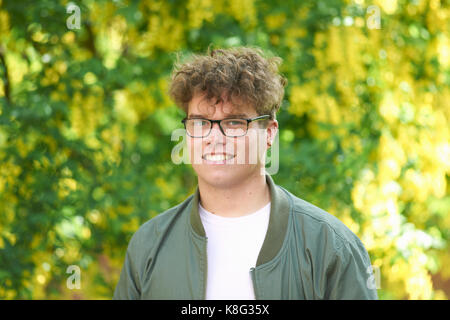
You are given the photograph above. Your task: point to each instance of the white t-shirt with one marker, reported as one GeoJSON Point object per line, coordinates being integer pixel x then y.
{"type": "Point", "coordinates": [232, 249]}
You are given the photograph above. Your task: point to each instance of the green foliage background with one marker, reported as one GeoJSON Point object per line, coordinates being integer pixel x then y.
{"type": "Point", "coordinates": [85, 127]}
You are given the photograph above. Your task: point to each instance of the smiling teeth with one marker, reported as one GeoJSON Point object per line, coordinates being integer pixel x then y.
{"type": "Point", "coordinates": [217, 157]}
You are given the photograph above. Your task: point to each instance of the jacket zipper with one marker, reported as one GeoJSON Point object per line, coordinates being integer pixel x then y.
{"type": "Point", "coordinates": [252, 273]}
{"type": "Point", "coordinates": [205, 273]}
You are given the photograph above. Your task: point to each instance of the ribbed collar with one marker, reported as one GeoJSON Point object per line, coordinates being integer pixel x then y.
{"type": "Point", "coordinates": [276, 231]}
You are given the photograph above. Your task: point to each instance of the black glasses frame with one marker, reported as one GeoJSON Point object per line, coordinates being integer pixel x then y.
{"type": "Point", "coordinates": [219, 122]}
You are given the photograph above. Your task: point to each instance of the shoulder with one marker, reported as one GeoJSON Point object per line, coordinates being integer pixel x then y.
{"type": "Point", "coordinates": [317, 224]}
{"type": "Point", "coordinates": [333, 250]}
{"type": "Point", "coordinates": [158, 225]}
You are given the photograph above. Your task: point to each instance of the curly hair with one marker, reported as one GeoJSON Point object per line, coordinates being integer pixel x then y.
{"type": "Point", "coordinates": [242, 74]}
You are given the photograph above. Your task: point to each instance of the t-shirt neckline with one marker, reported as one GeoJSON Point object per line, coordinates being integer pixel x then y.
{"type": "Point", "coordinates": [216, 219]}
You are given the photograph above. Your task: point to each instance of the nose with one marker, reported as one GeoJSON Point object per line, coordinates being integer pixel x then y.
{"type": "Point", "coordinates": [216, 134]}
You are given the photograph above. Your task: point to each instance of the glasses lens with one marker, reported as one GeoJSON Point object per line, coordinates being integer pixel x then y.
{"type": "Point", "coordinates": [197, 127]}
{"type": "Point", "coordinates": [234, 127]}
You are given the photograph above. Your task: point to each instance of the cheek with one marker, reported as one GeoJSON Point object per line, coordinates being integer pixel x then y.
{"type": "Point", "coordinates": [194, 146]}
{"type": "Point", "coordinates": [246, 150]}
{"type": "Point", "coordinates": [254, 147]}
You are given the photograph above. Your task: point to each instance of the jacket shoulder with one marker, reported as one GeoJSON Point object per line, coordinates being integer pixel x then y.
{"type": "Point", "coordinates": [314, 219]}
{"type": "Point", "coordinates": [157, 225]}
{"type": "Point", "coordinates": [333, 251]}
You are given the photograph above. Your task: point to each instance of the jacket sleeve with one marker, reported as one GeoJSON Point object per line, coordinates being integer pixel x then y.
{"type": "Point", "coordinates": [128, 287]}
{"type": "Point", "coordinates": [349, 275]}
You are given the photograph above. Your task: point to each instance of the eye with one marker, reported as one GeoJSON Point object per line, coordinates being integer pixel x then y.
{"type": "Point", "coordinates": [235, 123]}
{"type": "Point", "coordinates": [199, 122]}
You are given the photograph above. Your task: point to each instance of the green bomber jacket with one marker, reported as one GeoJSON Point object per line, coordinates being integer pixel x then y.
{"type": "Point", "coordinates": [307, 254]}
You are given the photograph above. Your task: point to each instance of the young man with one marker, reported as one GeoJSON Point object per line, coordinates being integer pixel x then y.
{"type": "Point", "coordinates": [239, 236]}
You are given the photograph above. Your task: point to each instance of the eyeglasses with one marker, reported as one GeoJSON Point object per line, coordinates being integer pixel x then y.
{"type": "Point", "coordinates": [200, 128]}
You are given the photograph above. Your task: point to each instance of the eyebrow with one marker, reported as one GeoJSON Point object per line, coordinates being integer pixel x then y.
{"type": "Point", "coordinates": [228, 117]}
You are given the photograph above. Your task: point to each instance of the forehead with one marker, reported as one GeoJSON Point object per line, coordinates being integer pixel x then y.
{"type": "Point", "coordinates": [200, 106]}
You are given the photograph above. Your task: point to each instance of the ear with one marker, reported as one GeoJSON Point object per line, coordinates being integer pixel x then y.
{"type": "Point", "coordinates": [272, 129]}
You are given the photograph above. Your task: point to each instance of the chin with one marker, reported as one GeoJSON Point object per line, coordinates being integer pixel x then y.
{"type": "Point", "coordinates": [223, 177]}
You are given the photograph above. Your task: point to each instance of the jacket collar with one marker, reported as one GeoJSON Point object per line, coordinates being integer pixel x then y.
{"type": "Point", "coordinates": [276, 231]}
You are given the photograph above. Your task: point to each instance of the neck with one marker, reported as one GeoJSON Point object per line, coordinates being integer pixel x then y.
{"type": "Point", "coordinates": [241, 199]}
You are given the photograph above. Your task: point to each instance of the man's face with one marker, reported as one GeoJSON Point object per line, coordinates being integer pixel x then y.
{"type": "Point", "coordinates": [223, 161]}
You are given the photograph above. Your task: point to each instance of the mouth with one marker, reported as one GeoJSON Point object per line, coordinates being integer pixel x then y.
{"type": "Point", "coordinates": [217, 158]}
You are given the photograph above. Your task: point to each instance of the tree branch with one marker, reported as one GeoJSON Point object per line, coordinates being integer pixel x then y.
{"type": "Point", "coordinates": [90, 43]}
{"type": "Point", "coordinates": [6, 83]}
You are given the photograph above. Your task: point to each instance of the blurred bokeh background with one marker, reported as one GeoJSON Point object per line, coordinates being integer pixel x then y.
{"type": "Point", "coordinates": [86, 123]}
